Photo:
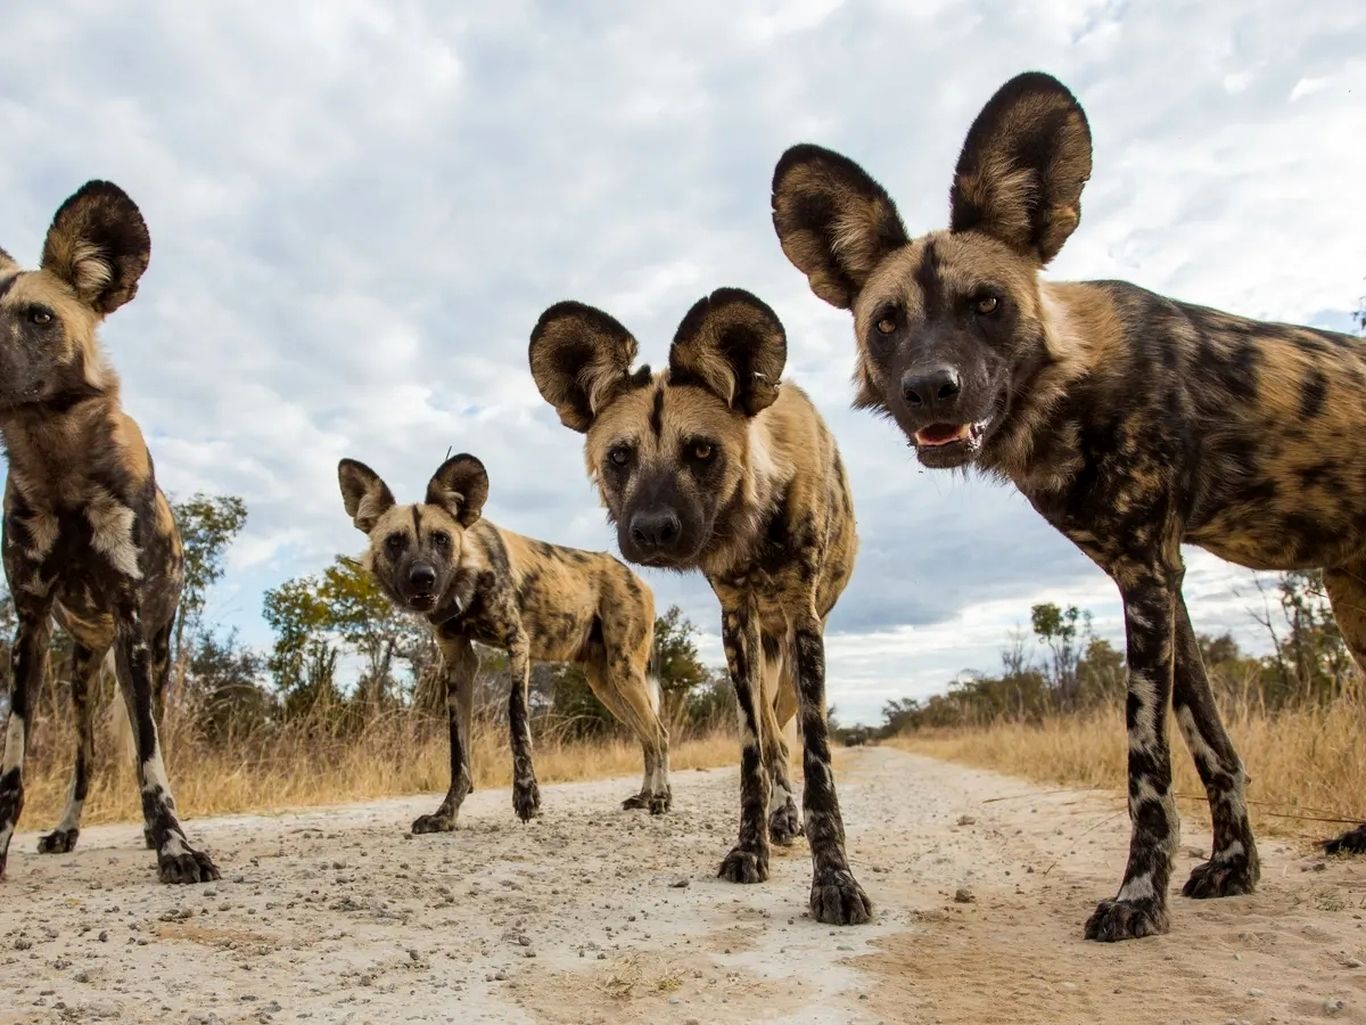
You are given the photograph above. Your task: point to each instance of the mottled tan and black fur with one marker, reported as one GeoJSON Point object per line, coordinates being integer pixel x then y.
{"type": "Point", "coordinates": [88, 536]}
{"type": "Point", "coordinates": [1133, 422]}
{"type": "Point", "coordinates": [473, 581]}
{"type": "Point", "coordinates": [715, 465]}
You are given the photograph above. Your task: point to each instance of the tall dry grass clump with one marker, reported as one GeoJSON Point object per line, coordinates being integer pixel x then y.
{"type": "Point", "coordinates": [315, 759]}
{"type": "Point", "coordinates": [1304, 760]}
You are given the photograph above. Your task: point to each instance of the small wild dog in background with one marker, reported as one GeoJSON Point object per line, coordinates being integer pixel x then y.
{"type": "Point", "coordinates": [473, 581]}
{"type": "Point", "coordinates": [88, 536]}
{"type": "Point", "coordinates": [715, 465]}
{"type": "Point", "coordinates": [1131, 422]}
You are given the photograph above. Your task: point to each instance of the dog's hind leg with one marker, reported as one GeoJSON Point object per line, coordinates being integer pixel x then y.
{"type": "Point", "coordinates": [1233, 867]}
{"type": "Point", "coordinates": [1346, 587]}
{"type": "Point", "coordinates": [140, 663]}
{"type": "Point", "coordinates": [458, 665]}
{"type": "Point", "coordinates": [30, 666]}
{"type": "Point", "coordinates": [85, 667]}
{"type": "Point", "coordinates": [780, 704]}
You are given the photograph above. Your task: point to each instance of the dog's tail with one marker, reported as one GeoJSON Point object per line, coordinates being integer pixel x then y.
{"type": "Point", "coordinates": [116, 722]}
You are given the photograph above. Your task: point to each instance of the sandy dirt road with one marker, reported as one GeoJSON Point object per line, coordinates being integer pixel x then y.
{"type": "Point", "coordinates": [592, 914]}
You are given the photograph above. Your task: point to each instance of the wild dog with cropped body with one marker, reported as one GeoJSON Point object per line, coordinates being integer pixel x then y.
{"type": "Point", "coordinates": [88, 536]}
{"type": "Point", "coordinates": [1131, 421]}
{"type": "Point", "coordinates": [715, 465]}
{"type": "Point", "coordinates": [473, 581]}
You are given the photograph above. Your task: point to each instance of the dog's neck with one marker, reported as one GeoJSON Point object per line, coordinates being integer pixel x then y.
{"type": "Point", "coordinates": [51, 443]}
{"type": "Point", "coordinates": [1037, 448]}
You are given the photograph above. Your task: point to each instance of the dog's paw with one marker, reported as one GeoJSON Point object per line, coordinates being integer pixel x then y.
{"type": "Point", "coordinates": [635, 801]}
{"type": "Point", "coordinates": [838, 899]}
{"type": "Point", "coordinates": [660, 802]}
{"type": "Point", "coordinates": [1351, 842]}
{"type": "Point", "coordinates": [59, 841]}
{"type": "Point", "coordinates": [744, 866]}
{"type": "Point", "coordinates": [433, 824]}
{"type": "Point", "coordinates": [785, 825]}
{"type": "Point", "coordinates": [526, 800]}
{"type": "Point", "coordinates": [1222, 877]}
{"type": "Point", "coordinates": [1115, 920]}
{"type": "Point", "coordinates": [186, 866]}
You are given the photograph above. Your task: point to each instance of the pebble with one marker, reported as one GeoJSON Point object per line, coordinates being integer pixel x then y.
{"type": "Point", "coordinates": [964, 896]}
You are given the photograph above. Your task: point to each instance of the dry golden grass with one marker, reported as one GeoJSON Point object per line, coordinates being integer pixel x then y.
{"type": "Point", "coordinates": [303, 766]}
{"type": "Point", "coordinates": [1305, 763]}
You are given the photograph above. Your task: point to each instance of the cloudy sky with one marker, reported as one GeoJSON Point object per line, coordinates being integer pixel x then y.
{"type": "Point", "coordinates": [359, 208]}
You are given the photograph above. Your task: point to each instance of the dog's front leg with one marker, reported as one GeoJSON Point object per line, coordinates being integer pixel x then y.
{"type": "Point", "coordinates": [1139, 909]}
{"type": "Point", "coordinates": [747, 861]}
{"type": "Point", "coordinates": [526, 795]}
{"type": "Point", "coordinates": [836, 897]}
{"type": "Point", "coordinates": [30, 666]}
{"type": "Point", "coordinates": [458, 664]}
{"type": "Point", "coordinates": [140, 663]}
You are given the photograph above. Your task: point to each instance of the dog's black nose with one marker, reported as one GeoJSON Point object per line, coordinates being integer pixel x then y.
{"type": "Point", "coordinates": [422, 577]}
{"type": "Point", "coordinates": [933, 388]}
{"type": "Point", "coordinates": [656, 528]}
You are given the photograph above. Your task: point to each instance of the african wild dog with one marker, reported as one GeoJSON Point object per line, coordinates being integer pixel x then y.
{"type": "Point", "coordinates": [1132, 422]}
{"type": "Point", "coordinates": [714, 465]}
{"type": "Point", "coordinates": [473, 581]}
{"type": "Point", "coordinates": [88, 536]}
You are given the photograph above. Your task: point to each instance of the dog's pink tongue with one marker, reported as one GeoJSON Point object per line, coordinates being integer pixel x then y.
{"type": "Point", "coordinates": [940, 434]}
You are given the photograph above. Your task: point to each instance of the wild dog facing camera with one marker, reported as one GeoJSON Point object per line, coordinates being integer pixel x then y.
{"type": "Point", "coordinates": [671, 458]}
{"type": "Point", "coordinates": [949, 325]}
{"type": "Point", "coordinates": [415, 549]}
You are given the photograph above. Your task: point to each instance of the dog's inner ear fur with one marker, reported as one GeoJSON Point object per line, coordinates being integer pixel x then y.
{"type": "Point", "coordinates": [99, 245]}
{"type": "Point", "coordinates": [365, 496]}
{"type": "Point", "coordinates": [1022, 169]}
{"type": "Point", "coordinates": [460, 486]}
{"type": "Point", "coordinates": [835, 223]}
{"type": "Point", "coordinates": [733, 345]}
{"type": "Point", "coordinates": [581, 360]}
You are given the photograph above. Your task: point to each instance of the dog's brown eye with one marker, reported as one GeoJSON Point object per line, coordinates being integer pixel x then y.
{"type": "Point", "coordinates": [40, 316]}
{"type": "Point", "coordinates": [701, 451]}
{"type": "Point", "coordinates": [441, 539]}
{"type": "Point", "coordinates": [886, 324]}
{"type": "Point", "coordinates": [620, 456]}
{"type": "Point", "coordinates": [986, 305]}
{"type": "Point", "coordinates": [394, 542]}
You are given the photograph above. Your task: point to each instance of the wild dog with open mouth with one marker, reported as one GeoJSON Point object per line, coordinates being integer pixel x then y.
{"type": "Point", "coordinates": [88, 536]}
{"type": "Point", "coordinates": [1132, 422]}
{"type": "Point", "coordinates": [713, 465]}
{"type": "Point", "coordinates": [473, 581]}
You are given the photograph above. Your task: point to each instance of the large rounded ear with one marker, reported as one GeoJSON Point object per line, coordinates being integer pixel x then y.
{"type": "Point", "coordinates": [581, 360]}
{"type": "Point", "coordinates": [7, 263]}
{"type": "Point", "coordinates": [1023, 166]}
{"type": "Point", "coordinates": [98, 243]}
{"type": "Point", "coordinates": [366, 497]}
{"type": "Point", "coordinates": [733, 345]}
{"type": "Point", "coordinates": [461, 487]}
{"type": "Point", "coordinates": [834, 222]}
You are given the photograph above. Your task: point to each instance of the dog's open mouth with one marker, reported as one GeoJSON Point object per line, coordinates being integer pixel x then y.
{"type": "Point", "coordinates": [940, 435]}
{"type": "Point", "coordinates": [422, 602]}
